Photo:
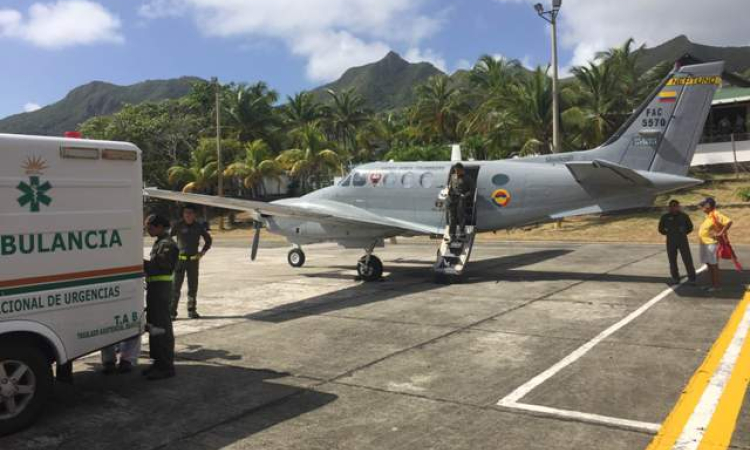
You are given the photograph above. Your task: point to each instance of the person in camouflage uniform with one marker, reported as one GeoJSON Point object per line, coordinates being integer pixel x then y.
{"type": "Point", "coordinates": [188, 233]}
{"type": "Point", "coordinates": [159, 271]}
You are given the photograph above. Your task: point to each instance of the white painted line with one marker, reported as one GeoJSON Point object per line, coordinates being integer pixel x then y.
{"type": "Point", "coordinates": [587, 417]}
{"type": "Point", "coordinates": [512, 399]}
{"type": "Point", "coordinates": [696, 426]}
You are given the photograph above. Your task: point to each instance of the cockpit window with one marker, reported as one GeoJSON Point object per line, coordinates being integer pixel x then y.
{"type": "Point", "coordinates": [347, 181]}
{"type": "Point", "coordinates": [359, 179]}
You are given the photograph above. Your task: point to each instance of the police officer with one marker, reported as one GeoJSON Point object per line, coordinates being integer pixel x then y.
{"type": "Point", "coordinates": [458, 199]}
{"type": "Point", "coordinates": [676, 225]}
{"type": "Point", "coordinates": [188, 233]}
{"type": "Point", "coordinates": [159, 270]}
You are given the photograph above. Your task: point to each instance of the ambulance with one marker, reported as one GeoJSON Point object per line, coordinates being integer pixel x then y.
{"type": "Point", "coordinates": [71, 260]}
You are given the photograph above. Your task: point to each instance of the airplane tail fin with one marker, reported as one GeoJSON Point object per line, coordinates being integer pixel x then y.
{"type": "Point", "coordinates": [662, 134]}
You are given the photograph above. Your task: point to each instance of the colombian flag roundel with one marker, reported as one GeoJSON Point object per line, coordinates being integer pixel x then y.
{"type": "Point", "coordinates": [501, 197]}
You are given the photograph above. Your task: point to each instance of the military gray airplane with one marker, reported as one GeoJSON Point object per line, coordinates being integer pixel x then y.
{"type": "Point", "coordinates": [649, 155]}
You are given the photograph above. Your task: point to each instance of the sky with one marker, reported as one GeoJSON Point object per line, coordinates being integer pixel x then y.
{"type": "Point", "coordinates": [49, 47]}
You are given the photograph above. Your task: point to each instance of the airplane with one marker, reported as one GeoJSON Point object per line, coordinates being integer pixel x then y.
{"type": "Point", "coordinates": [649, 155]}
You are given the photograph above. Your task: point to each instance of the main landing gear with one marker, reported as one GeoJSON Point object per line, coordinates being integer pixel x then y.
{"type": "Point", "coordinates": [296, 257]}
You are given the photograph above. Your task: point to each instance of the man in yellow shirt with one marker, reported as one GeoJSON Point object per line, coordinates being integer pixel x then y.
{"type": "Point", "coordinates": [713, 227]}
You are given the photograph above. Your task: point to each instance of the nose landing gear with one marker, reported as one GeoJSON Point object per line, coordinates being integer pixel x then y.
{"type": "Point", "coordinates": [370, 268]}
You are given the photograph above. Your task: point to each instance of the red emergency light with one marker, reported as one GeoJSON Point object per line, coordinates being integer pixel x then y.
{"type": "Point", "coordinates": [73, 134]}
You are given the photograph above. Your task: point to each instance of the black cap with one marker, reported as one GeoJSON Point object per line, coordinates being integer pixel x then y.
{"type": "Point", "coordinates": [708, 201]}
{"type": "Point", "coordinates": [157, 221]}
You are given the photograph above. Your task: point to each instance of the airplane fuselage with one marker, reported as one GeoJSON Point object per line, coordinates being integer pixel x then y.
{"type": "Point", "coordinates": [510, 193]}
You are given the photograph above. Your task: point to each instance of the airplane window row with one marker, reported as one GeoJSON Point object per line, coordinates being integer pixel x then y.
{"type": "Point", "coordinates": [407, 180]}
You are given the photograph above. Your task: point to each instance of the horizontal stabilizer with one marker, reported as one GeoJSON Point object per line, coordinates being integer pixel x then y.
{"type": "Point", "coordinates": [604, 173]}
{"type": "Point", "coordinates": [601, 178]}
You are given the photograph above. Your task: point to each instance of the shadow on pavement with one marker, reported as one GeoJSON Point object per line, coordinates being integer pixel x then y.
{"type": "Point", "coordinates": [129, 412]}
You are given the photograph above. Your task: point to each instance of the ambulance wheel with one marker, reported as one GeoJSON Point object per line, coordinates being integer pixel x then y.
{"type": "Point", "coordinates": [25, 384]}
{"type": "Point", "coordinates": [370, 270]}
{"type": "Point", "coordinates": [296, 257]}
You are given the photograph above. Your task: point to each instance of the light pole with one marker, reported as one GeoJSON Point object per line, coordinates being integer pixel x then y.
{"type": "Point", "coordinates": [551, 17]}
{"type": "Point", "coordinates": [219, 168]}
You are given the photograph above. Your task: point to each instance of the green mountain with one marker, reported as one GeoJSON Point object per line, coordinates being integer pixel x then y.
{"type": "Point", "coordinates": [93, 99]}
{"type": "Point", "coordinates": [385, 84]}
{"type": "Point", "coordinates": [737, 59]}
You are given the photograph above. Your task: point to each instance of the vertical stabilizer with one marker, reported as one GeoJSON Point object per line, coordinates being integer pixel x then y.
{"type": "Point", "coordinates": [662, 135]}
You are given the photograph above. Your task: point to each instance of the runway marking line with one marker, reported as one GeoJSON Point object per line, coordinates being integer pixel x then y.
{"type": "Point", "coordinates": [512, 400]}
{"type": "Point", "coordinates": [705, 416]}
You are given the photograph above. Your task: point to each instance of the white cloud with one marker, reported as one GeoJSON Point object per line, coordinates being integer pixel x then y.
{"type": "Point", "coordinates": [61, 24]}
{"type": "Point", "coordinates": [331, 34]}
{"type": "Point", "coordinates": [31, 107]}
{"type": "Point", "coordinates": [464, 64]}
{"type": "Point", "coordinates": [415, 55]}
{"type": "Point", "coordinates": [588, 26]}
{"type": "Point", "coordinates": [330, 54]}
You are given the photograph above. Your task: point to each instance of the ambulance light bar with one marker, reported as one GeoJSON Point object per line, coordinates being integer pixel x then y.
{"type": "Point", "coordinates": [119, 155]}
{"type": "Point", "coordinates": [79, 153]}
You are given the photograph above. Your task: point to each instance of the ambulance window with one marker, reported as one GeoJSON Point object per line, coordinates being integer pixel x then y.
{"type": "Point", "coordinates": [407, 180]}
{"type": "Point", "coordinates": [426, 180]}
{"type": "Point", "coordinates": [500, 179]}
{"type": "Point", "coordinates": [347, 181]}
{"type": "Point", "coordinates": [359, 179]}
{"type": "Point", "coordinates": [389, 180]}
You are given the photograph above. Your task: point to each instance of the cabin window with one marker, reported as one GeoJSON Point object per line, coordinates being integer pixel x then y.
{"type": "Point", "coordinates": [500, 179]}
{"type": "Point", "coordinates": [426, 180]}
{"type": "Point", "coordinates": [359, 179]}
{"type": "Point", "coordinates": [407, 180]}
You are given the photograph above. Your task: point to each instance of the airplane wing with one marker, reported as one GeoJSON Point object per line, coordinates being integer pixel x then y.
{"type": "Point", "coordinates": [321, 211]}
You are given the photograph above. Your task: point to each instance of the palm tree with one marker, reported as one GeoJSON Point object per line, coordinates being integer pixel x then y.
{"type": "Point", "coordinates": [530, 104]}
{"type": "Point", "coordinates": [312, 159]}
{"type": "Point", "coordinates": [624, 62]}
{"type": "Point", "coordinates": [494, 75]}
{"type": "Point", "coordinates": [198, 177]}
{"type": "Point", "coordinates": [256, 166]}
{"type": "Point", "coordinates": [344, 117]}
{"type": "Point", "coordinates": [252, 114]}
{"type": "Point", "coordinates": [301, 109]}
{"type": "Point", "coordinates": [438, 109]}
{"type": "Point", "coordinates": [598, 102]}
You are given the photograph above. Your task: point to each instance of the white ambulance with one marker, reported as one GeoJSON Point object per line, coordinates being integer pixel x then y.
{"type": "Point", "coordinates": [71, 253]}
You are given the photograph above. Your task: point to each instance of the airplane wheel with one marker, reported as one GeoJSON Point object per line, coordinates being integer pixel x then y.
{"type": "Point", "coordinates": [296, 257]}
{"type": "Point", "coordinates": [370, 271]}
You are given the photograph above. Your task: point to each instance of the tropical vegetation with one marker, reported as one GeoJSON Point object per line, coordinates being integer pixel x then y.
{"type": "Point", "coordinates": [500, 110]}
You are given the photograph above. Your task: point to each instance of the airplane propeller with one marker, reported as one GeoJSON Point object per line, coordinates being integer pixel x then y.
{"type": "Point", "coordinates": [256, 240]}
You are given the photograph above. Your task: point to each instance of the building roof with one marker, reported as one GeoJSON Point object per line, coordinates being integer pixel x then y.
{"type": "Point", "coordinates": [731, 94]}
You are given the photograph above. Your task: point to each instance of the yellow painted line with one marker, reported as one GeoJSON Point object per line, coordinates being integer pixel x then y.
{"type": "Point", "coordinates": [718, 435]}
{"type": "Point", "coordinates": [672, 428]}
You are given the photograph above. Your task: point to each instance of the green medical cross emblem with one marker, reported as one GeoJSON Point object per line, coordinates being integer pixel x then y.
{"type": "Point", "coordinates": [34, 194]}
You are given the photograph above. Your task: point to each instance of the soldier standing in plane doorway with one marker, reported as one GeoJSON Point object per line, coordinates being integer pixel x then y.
{"type": "Point", "coordinates": [188, 233]}
{"type": "Point", "coordinates": [458, 199]}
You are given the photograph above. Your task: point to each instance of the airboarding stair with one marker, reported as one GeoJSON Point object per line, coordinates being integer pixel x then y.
{"type": "Point", "coordinates": [453, 254]}
{"type": "Point", "coordinates": [454, 251]}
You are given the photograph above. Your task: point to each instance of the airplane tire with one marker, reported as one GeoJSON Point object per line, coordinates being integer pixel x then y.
{"type": "Point", "coordinates": [296, 257]}
{"type": "Point", "coordinates": [372, 271]}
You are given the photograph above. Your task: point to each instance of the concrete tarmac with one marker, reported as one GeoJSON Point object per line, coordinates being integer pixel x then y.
{"type": "Point", "coordinates": [309, 358]}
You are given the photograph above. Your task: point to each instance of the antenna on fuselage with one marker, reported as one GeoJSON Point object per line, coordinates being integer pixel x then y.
{"type": "Point", "coordinates": [455, 153]}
